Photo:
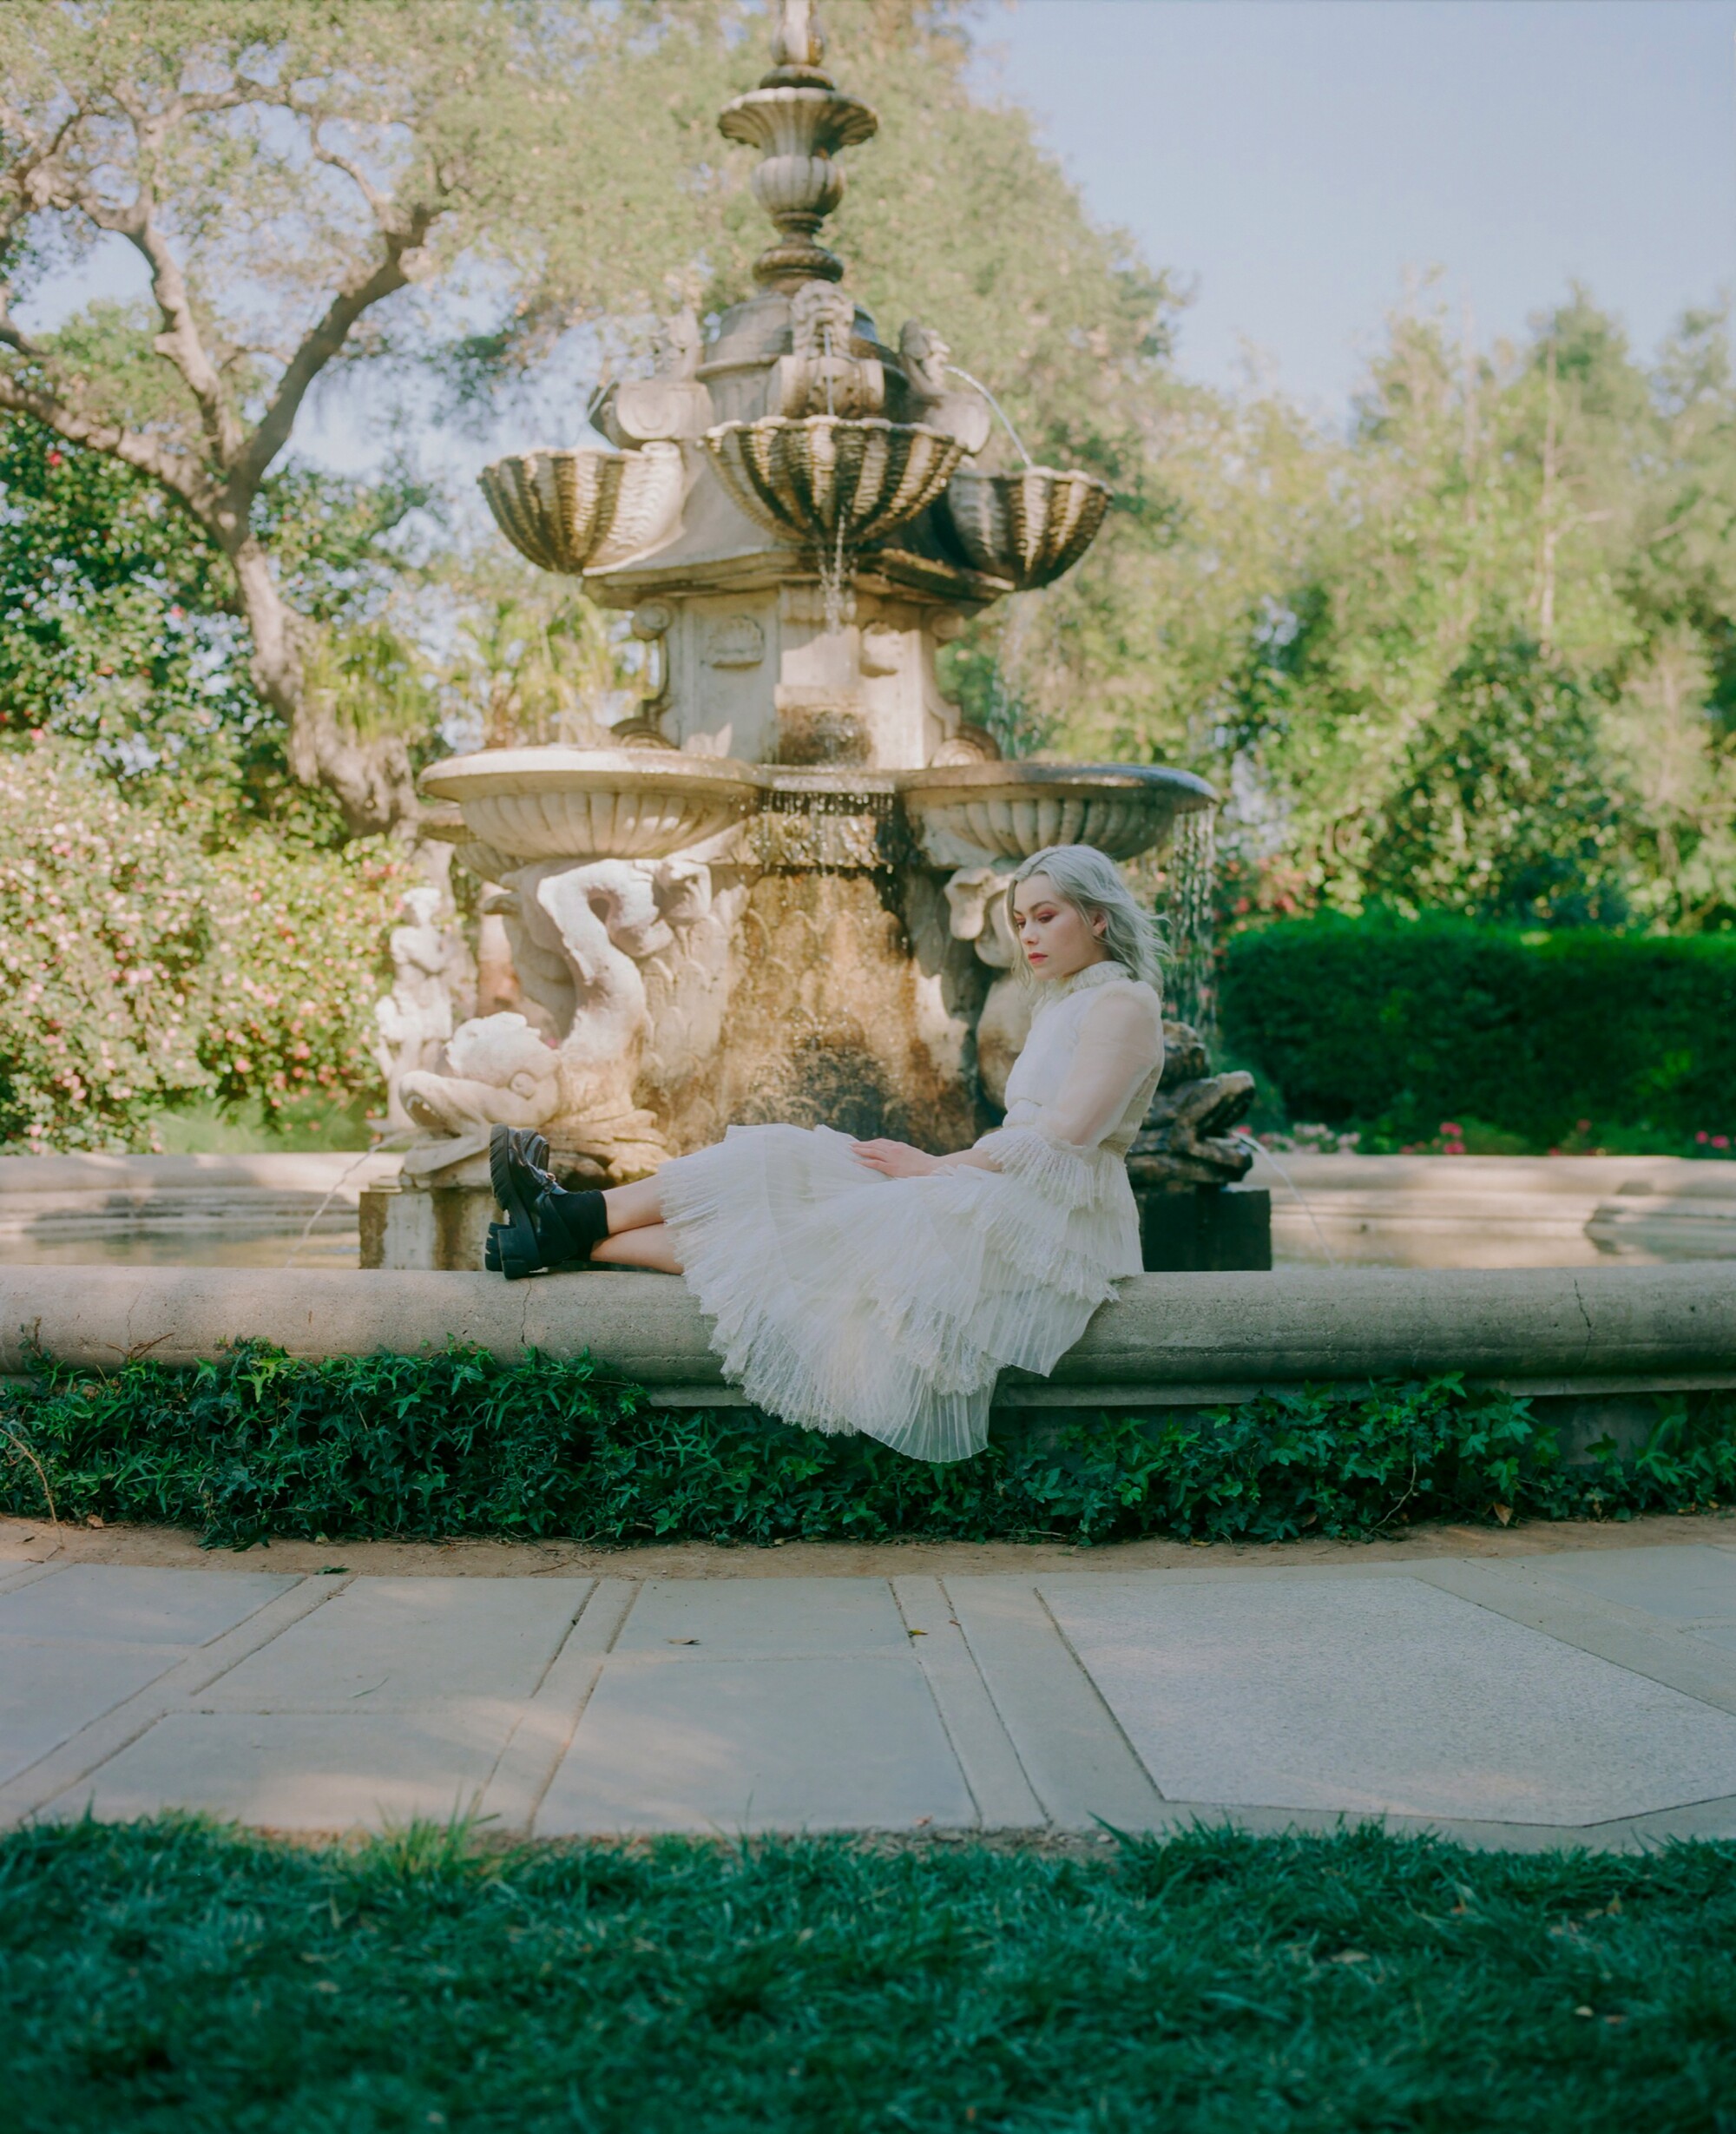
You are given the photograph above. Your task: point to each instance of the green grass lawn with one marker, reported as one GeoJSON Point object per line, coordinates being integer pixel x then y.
{"type": "Point", "coordinates": [174, 1976]}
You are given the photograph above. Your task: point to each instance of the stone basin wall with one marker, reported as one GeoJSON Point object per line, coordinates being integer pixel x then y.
{"type": "Point", "coordinates": [851, 1006]}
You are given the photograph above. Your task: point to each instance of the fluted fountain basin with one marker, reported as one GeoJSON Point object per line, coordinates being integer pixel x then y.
{"type": "Point", "coordinates": [1026, 528]}
{"type": "Point", "coordinates": [821, 478]}
{"type": "Point", "coordinates": [594, 803]}
{"type": "Point", "coordinates": [573, 511]}
{"type": "Point", "coordinates": [970, 813]}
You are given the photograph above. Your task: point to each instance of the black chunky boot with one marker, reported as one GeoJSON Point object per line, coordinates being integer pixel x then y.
{"type": "Point", "coordinates": [545, 1227]}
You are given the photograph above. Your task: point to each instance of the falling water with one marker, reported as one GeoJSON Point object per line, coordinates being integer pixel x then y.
{"type": "Point", "coordinates": [1193, 973]}
{"type": "Point", "coordinates": [830, 562]}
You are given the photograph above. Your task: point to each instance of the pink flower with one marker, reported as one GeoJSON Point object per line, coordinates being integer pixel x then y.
{"type": "Point", "coordinates": [1457, 1132]}
{"type": "Point", "coordinates": [1720, 1140]}
{"type": "Point", "coordinates": [1702, 1139]}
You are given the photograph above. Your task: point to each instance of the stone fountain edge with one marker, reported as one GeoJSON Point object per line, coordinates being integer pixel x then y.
{"type": "Point", "coordinates": [1169, 1339]}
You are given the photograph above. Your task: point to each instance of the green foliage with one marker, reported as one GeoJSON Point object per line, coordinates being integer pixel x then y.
{"type": "Point", "coordinates": [1497, 677]}
{"type": "Point", "coordinates": [140, 969]}
{"type": "Point", "coordinates": [173, 1974]}
{"type": "Point", "coordinates": [1503, 806]}
{"type": "Point", "coordinates": [1401, 1024]}
{"type": "Point", "coordinates": [119, 628]}
{"type": "Point", "coordinates": [532, 660]}
{"type": "Point", "coordinates": [255, 1443]}
{"type": "Point", "coordinates": [111, 606]}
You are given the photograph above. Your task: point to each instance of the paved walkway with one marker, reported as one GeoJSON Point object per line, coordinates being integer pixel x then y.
{"type": "Point", "coordinates": [1581, 1696]}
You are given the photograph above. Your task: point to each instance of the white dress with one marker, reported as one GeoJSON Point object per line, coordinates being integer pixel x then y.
{"type": "Point", "coordinates": [844, 1301]}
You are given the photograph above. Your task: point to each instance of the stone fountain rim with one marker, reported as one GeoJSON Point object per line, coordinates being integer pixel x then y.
{"type": "Point", "coordinates": [655, 449]}
{"type": "Point", "coordinates": [980, 780]}
{"type": "Point", "coordinates": [558, 767]}
{"type": "Point", "coordinates": [718, 430]}
{"type": "Point", "coordinates": [1006, 475]}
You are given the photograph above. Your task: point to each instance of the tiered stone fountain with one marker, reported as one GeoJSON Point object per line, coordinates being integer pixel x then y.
{"type": "Point", "coordinates": [777, 899]}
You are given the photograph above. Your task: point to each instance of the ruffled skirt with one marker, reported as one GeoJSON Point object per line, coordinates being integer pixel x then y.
{"type": "Point", "coordinates": [846, 1301]}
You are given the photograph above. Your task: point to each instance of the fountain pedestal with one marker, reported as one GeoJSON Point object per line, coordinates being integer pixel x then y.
{"type": "Point", "coordinates": [1205, 1230]}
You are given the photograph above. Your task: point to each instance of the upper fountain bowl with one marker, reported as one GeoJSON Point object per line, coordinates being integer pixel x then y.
{"type": "Point", "coordinates": [965, 814]}
{"type": "Point", "coordinates": [1026, 528]}
{"type": "Point", "coordinates": [594, 803]}
{"type": "Point", "coordinates": [573, 511]}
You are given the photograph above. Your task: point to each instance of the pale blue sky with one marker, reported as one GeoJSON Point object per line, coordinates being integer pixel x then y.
{"type": "Point", "coordinates": [1294, 158]}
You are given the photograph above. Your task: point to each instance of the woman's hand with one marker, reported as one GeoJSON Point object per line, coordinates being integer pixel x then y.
{"type": "Point", "coordinates": [894, 1159]}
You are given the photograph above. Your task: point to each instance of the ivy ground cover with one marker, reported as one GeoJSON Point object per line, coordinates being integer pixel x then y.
{"type": "Point", "coordinates": [255, 1444]}
{"type": "Point", "coordinates": [174, 1977]}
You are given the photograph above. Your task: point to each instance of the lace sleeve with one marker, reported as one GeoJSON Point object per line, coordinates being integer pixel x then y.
{"type": "Point", "coordinates": [1121, 1045]}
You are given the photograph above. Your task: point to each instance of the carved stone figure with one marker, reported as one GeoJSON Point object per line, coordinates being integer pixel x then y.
{"type": "Point", "coordinates": [679, 345]}
{"type": "Point", "coordinates": [587, 940]}
{"type": "Point", "coordinates": [1186, 1138]}
{"type": "Point", "coordinates": [498, 1071]}
{"type": "Point", "coordinates": [976, 901]}
{"type": "Point", "coordinates": [820, 376]}
{"type": "Point", "coordinates": [687, 993]}
{"type": "Point", "coordinates": [924, 356]}
{"type": "Point", "coordinates": [671, 403]}
{"type": "Point", "coordinates": [430, 962]}
{"type": "Point", "coordinates": [927, 365]}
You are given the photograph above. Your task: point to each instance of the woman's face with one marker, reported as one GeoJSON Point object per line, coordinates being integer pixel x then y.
{"type": "Point", "coordinates": [1057, 938]}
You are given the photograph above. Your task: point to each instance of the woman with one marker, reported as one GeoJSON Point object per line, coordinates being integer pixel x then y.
{"type": "Point", "coordinates": [866, 1286]}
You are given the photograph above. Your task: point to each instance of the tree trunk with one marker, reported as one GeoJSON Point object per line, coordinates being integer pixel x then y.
{"type": "Point", "coordinates": [370, 780]}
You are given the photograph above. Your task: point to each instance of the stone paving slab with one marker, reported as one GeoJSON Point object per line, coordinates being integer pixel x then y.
{"type": "Point", "coordinates": [137, 1603]}
{"type": "Point", "coordinates": [1382, 1696]}
{"type": "Point", "coordinates": [763, 1618]}
{"type": "Point", "coordinates": [46, 1696]}
{"type": "Point", "coordinates": [801, 1744]}
{"type": "Point", "coordinates": [1694, 1585]}
{"type": "Point", "coordinates": [1078, 1760]}
{"type": "Point", "coordinates": [1580, 1695]}
{"type": "Point", "coordinates": [303, 1770]}
{"type": "Point", "coordinates": [410, 1642]}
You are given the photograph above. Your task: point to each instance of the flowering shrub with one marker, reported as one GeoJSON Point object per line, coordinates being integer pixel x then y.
{"type": "Point", "coordinates": [1306, 1138]}
{"type": "Point", "coordinates": [139, 969]}
{"type": "Point", "coordinates": [1449, 1140]}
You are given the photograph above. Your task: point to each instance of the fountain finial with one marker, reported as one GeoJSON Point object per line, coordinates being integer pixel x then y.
{"type": "Point", "coordinates": [797, 42]}
{"type": "Point", "coordinates": [798, 119]}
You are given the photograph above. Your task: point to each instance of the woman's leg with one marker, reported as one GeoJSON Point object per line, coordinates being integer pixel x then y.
{"type": "Point", "coordinates": [647, 1245]}
{"type": "Point", "coordinates": [632, 1208]}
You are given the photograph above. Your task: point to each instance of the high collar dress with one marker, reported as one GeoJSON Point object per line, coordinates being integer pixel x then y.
{"type": "Point", "coordinates": [844, 1301]}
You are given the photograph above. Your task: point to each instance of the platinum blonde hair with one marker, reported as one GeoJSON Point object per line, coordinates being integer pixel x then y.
{"type": "Point", "coordinates": [1091, 882]}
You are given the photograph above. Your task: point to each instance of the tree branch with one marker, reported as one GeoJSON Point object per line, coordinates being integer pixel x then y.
{"type": "Point", "coordinates": [402, 231]}
{"type": "Point", "coordinates": [180, 341]}
{"type": "Point", "coordinates": [171, 468]}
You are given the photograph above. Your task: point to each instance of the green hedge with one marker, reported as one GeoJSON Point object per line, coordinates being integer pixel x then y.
{"type": "Point", "coordinates": [1411, 1022]}
{"type": "Point", "coordinates": [257, 1443]}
